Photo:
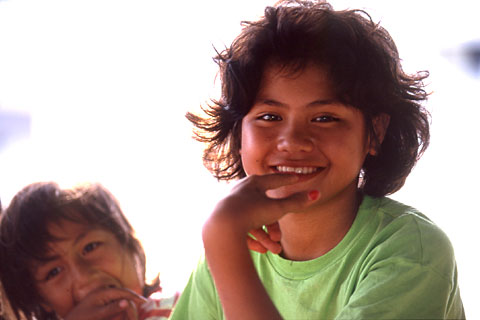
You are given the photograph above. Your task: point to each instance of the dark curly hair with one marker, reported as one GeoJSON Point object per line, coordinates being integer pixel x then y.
{"type": "Point", "coordinates": [363, 64]}
{"type": "Point", "coordinates": [24, 235]}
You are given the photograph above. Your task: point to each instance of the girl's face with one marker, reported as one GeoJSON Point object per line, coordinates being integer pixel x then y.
{"type": "Point", "coordinates": [83, 260]}
{"type": "Point", "coordinates": [296, 126]}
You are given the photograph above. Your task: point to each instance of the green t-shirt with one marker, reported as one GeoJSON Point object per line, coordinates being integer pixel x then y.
{"type": "Point", "coordinates": [393, 263]}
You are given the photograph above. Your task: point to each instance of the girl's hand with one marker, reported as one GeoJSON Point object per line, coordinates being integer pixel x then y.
{"type": "Point", "coordinates": [248, 207]}
{"type": "Point", "coordinates": [266, 240]}
{"type": "Point", "coordinates": [107, 303]}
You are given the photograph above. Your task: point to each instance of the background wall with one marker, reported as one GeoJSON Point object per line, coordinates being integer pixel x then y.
{"type": "Point", "coordinates": [96, 90]}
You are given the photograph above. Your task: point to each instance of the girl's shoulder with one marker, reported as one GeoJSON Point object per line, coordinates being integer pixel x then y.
{"type": "Point", "coordinates": [401, 230]}
{"type": "Point", "coordinates": [392, 215]}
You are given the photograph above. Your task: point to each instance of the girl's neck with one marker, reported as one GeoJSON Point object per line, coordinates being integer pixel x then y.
{"type": "Point", "coordinates": [311, 234]}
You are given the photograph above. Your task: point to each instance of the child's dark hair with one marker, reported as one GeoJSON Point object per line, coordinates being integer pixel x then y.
{"type": "Point", "coordinates": [363, 64]}
{"type": "Point", "coordinates": [24, 235]}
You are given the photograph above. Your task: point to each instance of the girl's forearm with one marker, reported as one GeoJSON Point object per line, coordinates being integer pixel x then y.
{"type": "Point", "coordinates": [240, 290]}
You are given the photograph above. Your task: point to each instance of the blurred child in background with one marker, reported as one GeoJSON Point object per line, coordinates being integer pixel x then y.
{"type": "Point", "coordinates": [72, 254]}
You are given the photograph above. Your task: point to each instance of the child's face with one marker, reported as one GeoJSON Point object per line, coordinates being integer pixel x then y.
{"type": "Point", "coordinates": [296, 126]}
{"type": "Point", "coordinates": [85, 259]}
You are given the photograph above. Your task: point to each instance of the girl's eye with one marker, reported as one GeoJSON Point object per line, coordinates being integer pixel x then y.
{"type": "Point", "coordinates": [325, 118]}
{"type": "Point", "coordinates": [270, 117]}
{"type": "Point", "coordinates": [53, 273]}
{"type": "Point", "coordinates": [91, 246]}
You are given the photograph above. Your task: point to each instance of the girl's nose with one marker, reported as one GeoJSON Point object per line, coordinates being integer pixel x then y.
{"type": "Point", "coordinates": [295, 138]}
{"type": "Point", "coordinates": [85, 279]}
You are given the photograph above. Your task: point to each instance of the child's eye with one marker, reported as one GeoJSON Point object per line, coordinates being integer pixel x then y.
{"type": "Point", "coordinates": [91, 246]}
{"type": "Point", "coordinates": [325, 118]}
{"type": "Point", "coordinates": [269, 117]}
{"type": "Point", "coordinates": [53, 273]}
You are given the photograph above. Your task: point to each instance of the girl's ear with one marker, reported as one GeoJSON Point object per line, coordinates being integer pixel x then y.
{"type": "Point", "coordinates": [380, 125]}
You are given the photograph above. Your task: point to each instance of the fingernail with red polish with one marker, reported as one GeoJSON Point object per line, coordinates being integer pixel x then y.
{"type": "Point", "coordinates": [313, 195]}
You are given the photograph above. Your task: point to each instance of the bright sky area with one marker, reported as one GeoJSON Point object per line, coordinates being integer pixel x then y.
{"type": "Point", "coordinates": [103, 87]}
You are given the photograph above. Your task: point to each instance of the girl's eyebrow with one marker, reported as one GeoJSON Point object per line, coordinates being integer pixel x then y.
{"type": "Point", "coordinates": [49, 258]}
{"type": "Point", "coordinates": [315, 103]}
{"type": "Point", "coordinates": [45, 260]}
{"type": "Point", "coordinates": [82, 236]}
{"type": "Point", "coordinates": [322, 102]}
{"type": "Point", "coordinates": [77, 239]}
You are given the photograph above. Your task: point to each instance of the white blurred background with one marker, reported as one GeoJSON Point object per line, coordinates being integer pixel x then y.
{"type": "Point", "coordinates": [96, 90]}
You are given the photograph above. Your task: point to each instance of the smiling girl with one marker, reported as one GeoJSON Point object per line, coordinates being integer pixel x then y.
{"type": "Point", "coordinates": [321, 123]}
{"type": "Point", "coordinates": [72, 254]}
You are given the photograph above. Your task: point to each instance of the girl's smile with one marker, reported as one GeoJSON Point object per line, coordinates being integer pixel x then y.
{"type": "Point", "coordinates": [296, 170]}
{"type": "Point", "coordinates": [303, 173]}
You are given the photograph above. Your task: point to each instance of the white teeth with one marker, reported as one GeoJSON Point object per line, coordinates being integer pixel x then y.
{"type": "Point", "coordinates": [297, 170]}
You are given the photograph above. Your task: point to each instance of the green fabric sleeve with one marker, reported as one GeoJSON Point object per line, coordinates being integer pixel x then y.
{"type": "Point", "coordinates": [403, 290]}
{"type": "Point", "coordinates": [410, 273]}
{"type": "Point", "coordinates": [199, 300]}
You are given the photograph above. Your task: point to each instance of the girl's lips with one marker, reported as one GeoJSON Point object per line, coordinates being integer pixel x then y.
{"type": "Point", "coordinates": [296, 170]}
{"type": "Point", "coordinates": [303, 172]}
